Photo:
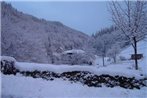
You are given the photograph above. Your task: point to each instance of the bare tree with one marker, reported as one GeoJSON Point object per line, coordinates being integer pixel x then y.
{"type": "Point", "coordinates": [102, 44]}
{"type": "Point", "coordinates": [48, 47]}
{"type": "Point", "coordinates": [130, 18]}
{"type": "Point", "coordinates": [113, 51]}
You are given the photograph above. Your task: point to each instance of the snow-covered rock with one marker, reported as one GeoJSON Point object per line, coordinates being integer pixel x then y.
{"type": "Point", "coordinates": [8, 65]}
{"type": "Point", "coordinates": [7, 58]}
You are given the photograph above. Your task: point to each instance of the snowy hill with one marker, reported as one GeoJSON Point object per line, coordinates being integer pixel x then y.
{"type": "Point", "coordinates": [30, 39]}
{"type": "Point", "coordinates": [142, 49]}
{"type": "Point", "coordinates": [141, 46]}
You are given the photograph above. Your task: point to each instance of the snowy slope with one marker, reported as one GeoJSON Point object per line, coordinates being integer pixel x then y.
{"type": "Point", "coordinates": [142, 49]}
{"type": "Point", "coordinates": [30, 39]}
{"type": "Point", "coordinates": [27, 87]}
{"type": "Point", "coordinates": [141, 46]}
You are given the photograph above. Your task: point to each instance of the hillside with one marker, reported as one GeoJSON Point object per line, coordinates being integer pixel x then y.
{"type": "Point", "coordinates": [142, 49]}
{"type": "Point", "coordinates": [30, 39]}
{"type": "Point", "coordinates": [114, 35]}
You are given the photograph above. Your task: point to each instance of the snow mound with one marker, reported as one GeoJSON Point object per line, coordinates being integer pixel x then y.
{"type": "Point", "coordinates": [120, 70]}
{"type": "Point", "coordinates": [123, 69]}
{"type": "Point", "coordinates": [7, 58]}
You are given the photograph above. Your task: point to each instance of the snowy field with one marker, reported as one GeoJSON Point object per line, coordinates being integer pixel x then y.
{"type": "Point", "coordinates": [27, 87]}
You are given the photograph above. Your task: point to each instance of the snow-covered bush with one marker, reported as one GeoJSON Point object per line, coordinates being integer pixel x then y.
{"type": "Point", "coordinates": [8, 65]}
{"type": "Point", "coordinates": [76, 57]}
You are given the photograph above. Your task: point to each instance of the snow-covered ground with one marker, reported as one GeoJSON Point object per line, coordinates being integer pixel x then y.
{"type": "Point", "coordinates": [115, 69]}
{"type": "Point", "coordinates": [126, 53]}
{"type": "Point", "coordinates": [142, 49]}
{"type": "Point", "coordinates": [26, 87]}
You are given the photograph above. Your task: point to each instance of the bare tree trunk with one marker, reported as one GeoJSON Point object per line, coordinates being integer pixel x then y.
{"type": "Point", "coordinates": [114, 59]}
{"type": "Point", "coordinates": [135, 52]}
{"type": "Point", "coordinates": [103, 61]}
{"type": "Point", "coordinates": [48, 46]}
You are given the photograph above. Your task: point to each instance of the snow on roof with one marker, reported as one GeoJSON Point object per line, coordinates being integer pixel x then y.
{"type": "Point", "coordinates": [110, 70]}
{"type": "Point", "coordinates": [73, 51]}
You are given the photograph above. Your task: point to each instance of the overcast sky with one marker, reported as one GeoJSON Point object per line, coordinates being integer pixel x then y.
{"type": "Point", "coordinates": [87, 17]}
